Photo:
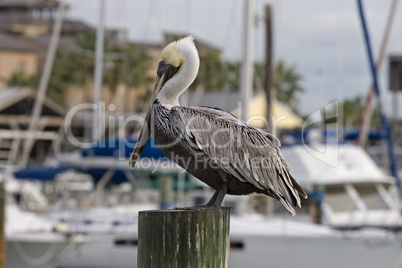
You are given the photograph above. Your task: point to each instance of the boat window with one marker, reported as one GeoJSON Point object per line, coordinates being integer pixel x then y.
{"type": "Point", "coordinates": [126, 242]}
{"type": "Point", "coordinates": [371, 197]}
{"type": "Point", "coordinates": [338, 199]}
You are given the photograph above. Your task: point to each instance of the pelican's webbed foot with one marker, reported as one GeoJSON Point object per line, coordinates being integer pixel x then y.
{"type": "Point", "coordinates": [214, 202]}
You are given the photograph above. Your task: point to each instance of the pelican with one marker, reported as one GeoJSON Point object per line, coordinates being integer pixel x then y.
{"type": "Point", "coordinates": [227, 154]}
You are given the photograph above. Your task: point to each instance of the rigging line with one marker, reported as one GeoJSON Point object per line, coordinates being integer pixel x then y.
{"type": "Point", "coordinates": [188, 16]}
{"type": "Point", "coordinates": [384, 120]}
{"type": "Point", "coordinates": [230, 24]}
{"type": "Point", "coordinates": [120, 14]}
{"type": "Point", "coordinates": [150, 14]}
{"type": "Point", "coordinates": [366, 116]}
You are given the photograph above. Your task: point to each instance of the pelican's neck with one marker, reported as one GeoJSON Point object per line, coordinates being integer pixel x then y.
{"type": "Point", "coordinates": [175, 86]}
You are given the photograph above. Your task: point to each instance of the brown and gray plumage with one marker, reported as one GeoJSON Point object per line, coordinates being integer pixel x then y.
{"type": "Point", "coordinates": [227, 154]}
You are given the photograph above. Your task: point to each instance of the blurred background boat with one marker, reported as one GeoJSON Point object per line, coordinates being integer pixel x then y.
{"type": "Point", "coordinates": [32, 240]}
{"type": "Point", "coordinates": [75, 203]}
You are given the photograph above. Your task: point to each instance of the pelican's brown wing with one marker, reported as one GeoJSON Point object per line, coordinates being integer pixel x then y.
{"type": "Point", "coordinates": [245, 152]}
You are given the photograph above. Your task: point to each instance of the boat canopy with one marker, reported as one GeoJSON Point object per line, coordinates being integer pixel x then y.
{"type": "Point", "coordinates": [322, 164]}
{"type": "Point", "coordinates": [107, 155]}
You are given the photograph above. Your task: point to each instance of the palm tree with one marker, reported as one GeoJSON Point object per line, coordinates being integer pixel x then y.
{"type": "Point", "coordinates": [134, 68]}
{"type": "Point", "coordinates": [287, 84]}
{"type": "Point", "coordinates": [71, 67]}
{"type": "Point", "coordinates": [211, 75]}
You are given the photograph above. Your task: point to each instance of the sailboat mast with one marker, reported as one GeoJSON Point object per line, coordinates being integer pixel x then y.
{"type": "Point", "coordinates": [366, 116]}
{"type": "Point", "coordinates": [384, 120]}
{"type": "Point", "coordinates": [248, 56]}
{"type": "Point", "coordinates": [43, 84]}
{"type": "Point", "coordinates": [98, 71]}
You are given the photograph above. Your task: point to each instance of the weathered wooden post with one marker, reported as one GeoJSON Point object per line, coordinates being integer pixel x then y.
{"type": "Point", "coordinates": [183, 238]}
{"type": "Point", "coordinates": [2, 224]}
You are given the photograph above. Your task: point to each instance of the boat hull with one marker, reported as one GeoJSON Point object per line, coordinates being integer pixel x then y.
{"type": "Point", "coordinates": [39, 250]}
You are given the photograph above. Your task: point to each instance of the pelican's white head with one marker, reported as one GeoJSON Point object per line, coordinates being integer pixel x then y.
{"type": "Point", "coordinates": [177, 69]}
{"type": "Point", "coordinates": [178, 66]}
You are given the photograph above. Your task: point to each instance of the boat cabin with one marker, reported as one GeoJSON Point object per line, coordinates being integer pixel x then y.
{"type": "Point", "coordinates": [350, 188]}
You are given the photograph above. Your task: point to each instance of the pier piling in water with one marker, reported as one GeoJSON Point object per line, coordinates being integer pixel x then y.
{"type": "Point", "coordinates": [183, 238]}
{"type": "Point", "coordinates": [2, 224]}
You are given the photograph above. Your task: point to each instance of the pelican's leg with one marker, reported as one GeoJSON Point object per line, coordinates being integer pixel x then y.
{"type": "Point", "coordinates": [217, 198]}
{"type": "Point", "coordinates": [213, 199]}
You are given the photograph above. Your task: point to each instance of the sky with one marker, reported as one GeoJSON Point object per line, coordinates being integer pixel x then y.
{"type": "Point", "coordinates": [322, 39]}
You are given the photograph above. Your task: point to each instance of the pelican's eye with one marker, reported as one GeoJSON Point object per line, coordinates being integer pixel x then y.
{"type": "Point", "coordinates": [161, 64]}
{"type": "Point", "coordinates": [162, 68]}
{"type": "Point", "coordinates": [166, 69]}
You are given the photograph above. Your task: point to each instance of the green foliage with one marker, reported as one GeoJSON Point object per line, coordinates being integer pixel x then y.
{"type": "Point", "coordinates": [211, 75]}
{"type": "Point", "coordinates": [67, 71]}
{"type": "Point", "coordinates": [63, 73]}
{"type": "Point", "coordinates": [259, 76]}
{"type": "Point", "coordinates": [214, 74]}
{"type": "Point", "coordinates": [132, 70]}
{"type": "Point", "coordinates": [352, 110]}
{"type": "Point", "coordinates": [87, 40]}
{"type": "Point", "coordinates": [130, 66]}
{"type": "Point", "coordinates": [76, 67]}
{"type": "Point", "coordinates": [232, 75]}
{"type": "Point", "coordinates": [287, 84]}
{"type": "Point", "coordinates": [20, 79]}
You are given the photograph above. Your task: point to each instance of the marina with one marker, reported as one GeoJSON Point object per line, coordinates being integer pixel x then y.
{"type": "Point", "coordinates": [131, 136]}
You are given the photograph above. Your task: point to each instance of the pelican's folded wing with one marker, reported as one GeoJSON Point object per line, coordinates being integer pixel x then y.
{"type": "Point", "coordinates": [245, 152]}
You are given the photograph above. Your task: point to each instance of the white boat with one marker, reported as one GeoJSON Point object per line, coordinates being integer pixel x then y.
{"type": "Point", "coordinates": [274, 242]}
{"type": "Point", "coordinates": [113, 233]}
{"type": "Point", "coordinates": [32, 240]}
{"type": "Point", "coordinates": [255, 242]}
{"type": "Point", "coordinates": [359, 237]}
{"type": "Point", "coordinates": [357, 193]}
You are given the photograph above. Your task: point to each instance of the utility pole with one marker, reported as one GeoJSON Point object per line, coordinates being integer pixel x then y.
{"type": "Point", "coordinates": [248, 62]}
{"type": "Point", "coordinates": [270, 93]}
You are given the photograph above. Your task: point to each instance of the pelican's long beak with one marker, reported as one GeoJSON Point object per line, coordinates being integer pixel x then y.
{"type": "Point", "coordinates": [146, 128]}
{"type": "Point", "coordinates": [164, 73]}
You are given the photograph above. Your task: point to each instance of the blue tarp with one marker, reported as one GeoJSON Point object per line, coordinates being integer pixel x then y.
{"type": "Point", "coordinates": [122, 147]}
{"type": "Point", "coordinates": [108, 148]}
{"type": "Point", "coordinates": [43, 173]}
{"type": "Point", "coordinates": [373, 134]}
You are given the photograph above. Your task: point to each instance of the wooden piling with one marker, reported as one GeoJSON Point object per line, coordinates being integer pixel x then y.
{"type": "Point", "coordinates": [2, 225]}
{"type": "Point", "coordinates": [183, 238]}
